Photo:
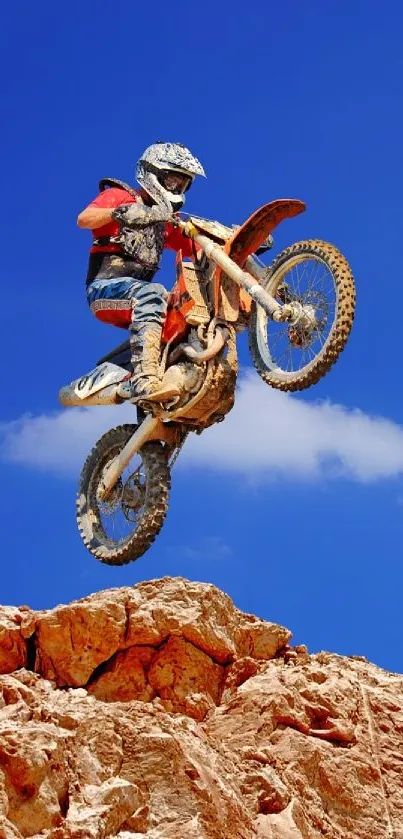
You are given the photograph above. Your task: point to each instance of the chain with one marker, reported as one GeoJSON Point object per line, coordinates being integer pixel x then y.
{"type": "Point", "coordinates": [178, 450]}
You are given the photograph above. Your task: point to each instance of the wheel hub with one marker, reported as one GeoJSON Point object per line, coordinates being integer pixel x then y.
{"type": "Point", "coordinates": [133, 496]}
{"type": "Point", "coordinates": [304, 320]}
{"type": "Point", "coordinates": [303, 323]}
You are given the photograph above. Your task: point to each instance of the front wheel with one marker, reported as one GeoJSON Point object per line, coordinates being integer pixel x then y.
{"type": "Point", "coordinates": [316, 279]}
{"type": "Point", "coordinates": [122, 527]}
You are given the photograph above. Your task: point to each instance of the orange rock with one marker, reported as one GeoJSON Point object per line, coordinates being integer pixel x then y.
{"type": "Point", "coordinates": [125, 677]}
{"type": "Point", "coordinates": [163, 712]}
{"type": "Point", "coordinates": [13, 648]}
{"type": "Point", "coordinates": [186, 677]}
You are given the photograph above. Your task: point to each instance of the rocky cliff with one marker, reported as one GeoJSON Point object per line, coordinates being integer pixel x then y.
{"type": "Point", "coordinates": [163, 712]}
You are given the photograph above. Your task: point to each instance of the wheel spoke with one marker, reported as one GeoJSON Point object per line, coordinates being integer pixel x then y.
{"type": "Point", "coordinates": [298, 282]}
{"type": "Point", "coordinates": [310, 282]}
{"type": "Point", "coordinates": [117, 518]}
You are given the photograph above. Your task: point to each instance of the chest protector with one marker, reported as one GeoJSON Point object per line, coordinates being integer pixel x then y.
{"type": "Point", "coordinates": [143, 243]}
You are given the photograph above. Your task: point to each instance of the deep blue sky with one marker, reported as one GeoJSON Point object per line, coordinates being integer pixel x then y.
{"type": "Point", "coordinates": [276, 99]}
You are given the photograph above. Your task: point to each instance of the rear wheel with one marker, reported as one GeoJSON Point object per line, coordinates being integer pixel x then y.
{"type": "Point", "coordinates": [122, 527]}
{"type": "Point", "coordinates": [316, 278]}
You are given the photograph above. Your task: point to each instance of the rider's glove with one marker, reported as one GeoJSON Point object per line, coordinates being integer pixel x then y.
{"type": "Point", "coordinates": [188, 229]}
{"type": "Point", "coordinates": [138, 215]}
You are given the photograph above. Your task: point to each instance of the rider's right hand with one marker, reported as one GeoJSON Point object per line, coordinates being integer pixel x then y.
{"type": "Point", "coordinates": [140, 214]}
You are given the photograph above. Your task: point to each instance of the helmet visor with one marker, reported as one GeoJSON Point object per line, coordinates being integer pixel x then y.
{"type": "Point", "coordinates": [175, 182]}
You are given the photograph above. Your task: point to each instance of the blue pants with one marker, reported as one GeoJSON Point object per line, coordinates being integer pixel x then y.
{"type": "Point", "coordinates": [144, 301]}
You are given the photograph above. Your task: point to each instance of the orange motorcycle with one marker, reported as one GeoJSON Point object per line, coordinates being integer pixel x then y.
{"type": "Point", "coordinates": [298, 311]}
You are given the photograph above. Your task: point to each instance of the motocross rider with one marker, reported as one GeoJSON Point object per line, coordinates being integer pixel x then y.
{"type": "Point", "coordinates": [130, 230]}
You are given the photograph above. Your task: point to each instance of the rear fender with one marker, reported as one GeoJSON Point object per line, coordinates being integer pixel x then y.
{"type": "Point", "coordinates": [94, 387]}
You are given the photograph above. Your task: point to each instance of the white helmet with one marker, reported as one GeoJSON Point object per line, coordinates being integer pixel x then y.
{"type": "Point", "coordinates": [163, 159]}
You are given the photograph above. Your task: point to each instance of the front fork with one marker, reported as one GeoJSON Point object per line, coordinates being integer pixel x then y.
{"type": "Point", "coordinates": [150, 429]}
{"type": "Point", "coordinates": [244, 279]}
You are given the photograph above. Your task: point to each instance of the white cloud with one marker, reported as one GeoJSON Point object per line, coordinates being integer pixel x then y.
{"type": "Point", "coordinates": [272, 433]}
{"type": "Point", "coordinates": [267, 434]}
{"type": "Point", "coordinates": [60, 441]}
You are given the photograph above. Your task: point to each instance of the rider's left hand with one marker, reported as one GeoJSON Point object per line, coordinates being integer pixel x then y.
{"type": "Point", "coordinates": [188, 229]}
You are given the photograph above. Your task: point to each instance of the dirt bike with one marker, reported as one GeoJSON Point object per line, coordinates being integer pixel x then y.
{"type": "Point", "coordinates": [298, 311]}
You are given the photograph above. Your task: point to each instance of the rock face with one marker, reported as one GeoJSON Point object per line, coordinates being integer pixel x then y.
{"type": "Point", "coordinates": [163, 712]}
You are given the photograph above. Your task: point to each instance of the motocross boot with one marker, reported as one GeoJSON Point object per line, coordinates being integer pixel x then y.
{"type": "Point", "coordinates": [145, 382]}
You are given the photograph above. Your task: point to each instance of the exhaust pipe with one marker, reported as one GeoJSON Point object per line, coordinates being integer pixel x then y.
{"type": "Point", "coordinates": [199, 356]}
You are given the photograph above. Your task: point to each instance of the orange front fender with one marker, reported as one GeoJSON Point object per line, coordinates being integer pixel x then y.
{"type": "Point", "coordinates": [248, 238]}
